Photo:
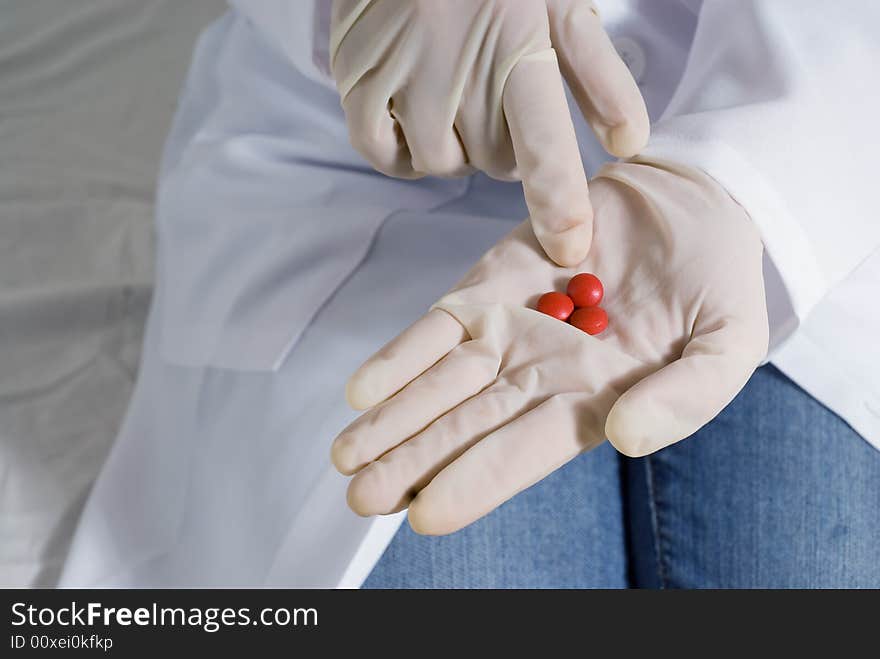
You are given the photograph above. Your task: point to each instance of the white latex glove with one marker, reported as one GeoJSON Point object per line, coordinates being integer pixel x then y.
{"type": "Point", "coordinates": [443, 87]}
{"type": "Point", "coordinates": [486, 396]}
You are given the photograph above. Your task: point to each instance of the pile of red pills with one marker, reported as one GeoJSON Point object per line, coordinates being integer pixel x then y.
{"type": "Point", "coordinates": [579, 305]}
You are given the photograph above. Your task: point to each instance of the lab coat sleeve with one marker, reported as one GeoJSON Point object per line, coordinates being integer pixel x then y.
{"type": "Point", "coordinates": [300, 29]}
{"type": "Point", "coordinates": [779, 103]}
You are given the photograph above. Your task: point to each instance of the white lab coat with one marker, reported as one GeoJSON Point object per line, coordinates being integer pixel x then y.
{"type": "Point", "coordinates": [284, 261]}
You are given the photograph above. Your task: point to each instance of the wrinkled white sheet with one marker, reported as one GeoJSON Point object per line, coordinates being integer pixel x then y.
{"type": "Point", "coordinates": [87, 93]}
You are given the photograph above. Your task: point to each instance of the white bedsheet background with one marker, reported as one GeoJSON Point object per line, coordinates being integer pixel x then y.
{"type": "Point", "coordinates": [87, 93]}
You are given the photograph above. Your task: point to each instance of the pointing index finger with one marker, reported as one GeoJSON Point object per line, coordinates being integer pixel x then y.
{"type": "Point", "coordinates": [548, 158]}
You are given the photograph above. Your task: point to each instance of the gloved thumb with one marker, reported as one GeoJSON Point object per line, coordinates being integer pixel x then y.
{"type": "Point", "coordinates": [601, 83]}
{"type": "Point", "coordinates": [676, 401]}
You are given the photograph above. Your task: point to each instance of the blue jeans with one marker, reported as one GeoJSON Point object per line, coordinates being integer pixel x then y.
{"type": "Point", "coordinates": [777, 492]}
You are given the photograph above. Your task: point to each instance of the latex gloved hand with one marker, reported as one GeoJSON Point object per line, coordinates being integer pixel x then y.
{"type": "Point", "coordinates": [484, 396]}
{"type": "Point", "coordinates": [443, 87]}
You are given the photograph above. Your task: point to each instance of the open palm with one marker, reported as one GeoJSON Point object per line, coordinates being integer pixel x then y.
{"type": "Point", "coordinates": [484, 396]}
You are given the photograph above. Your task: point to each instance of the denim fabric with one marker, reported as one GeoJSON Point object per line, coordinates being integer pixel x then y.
{"type": "Point", "coordinates": [565, 532]}
{"type": "Point", "coordinates": [777, 492]}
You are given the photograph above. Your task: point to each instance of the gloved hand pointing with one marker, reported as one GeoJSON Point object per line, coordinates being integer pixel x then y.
{"type": "Point", "coordinates": [484, 396]}
{"type": "Point", "coordinates": [443, 87]}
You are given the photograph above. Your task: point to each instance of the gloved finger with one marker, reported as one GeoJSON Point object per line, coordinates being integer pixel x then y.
{"type": "Point", "coordinates": [486, 141]}
{"type": "Point", "coordinates": [482, 127]}
{"type": "Point", "coordinates": [404, 358]}
{"type": "Point", "coordinates": [676, 401]}
{"type": "Point", "coordinates": [462, 373]}
{"type": "Point", "coordinates": [375, 133]}
{"type": "Point", "coordinates": [548, 158]}
{"type": "Point", "coordinates": [434, 144]}
{"type": "Point", "coordinates": [343, 14]}
{"type": "Point", "coordinates": [514, 457]}
{"type": "Point", "coordinates": [601, 83]}
{"type": "Point", "coordinates": [389, 484]}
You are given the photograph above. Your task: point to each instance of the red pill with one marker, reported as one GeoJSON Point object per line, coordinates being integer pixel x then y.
{"type": "Point", "coordinates": [592, 320]}
{"type": "Point", "coordinates": [558, 305]}
{"type": "Point", "coordinates": [585, 290]}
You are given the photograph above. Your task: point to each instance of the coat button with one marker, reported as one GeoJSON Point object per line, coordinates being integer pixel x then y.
{"type": "Point", "coordinates": [633, 55]}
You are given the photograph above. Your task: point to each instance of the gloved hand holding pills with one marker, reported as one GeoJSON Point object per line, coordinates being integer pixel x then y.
{"type": "Point", "coordinates": [486, 394]}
